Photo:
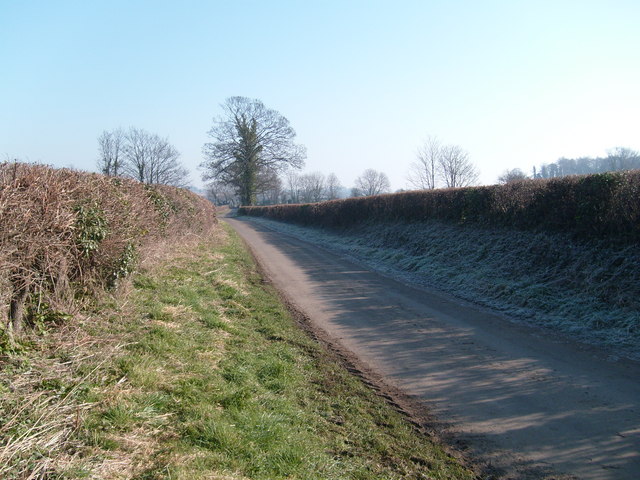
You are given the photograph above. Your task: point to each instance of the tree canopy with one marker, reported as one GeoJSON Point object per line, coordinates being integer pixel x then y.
{"type": "Point", "coordinates": [250, 144]}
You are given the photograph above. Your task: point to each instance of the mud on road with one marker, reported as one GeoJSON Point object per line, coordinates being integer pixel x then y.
{"type": "Point", "coordinates": [519, 402]}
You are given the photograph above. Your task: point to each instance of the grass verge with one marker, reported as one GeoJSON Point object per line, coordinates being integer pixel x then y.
{"type": "Point", "coordinates": [198, 371]}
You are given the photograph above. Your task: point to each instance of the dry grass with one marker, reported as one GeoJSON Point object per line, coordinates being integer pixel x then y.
{"type": "Point", "coordinates": [62, 376]}
{"type": "Point", "coordinates": [188, 374]}
{"type": "Point", "coordinates": [67, 239]}
{"type": "Point", "coordinates": [43, 401]}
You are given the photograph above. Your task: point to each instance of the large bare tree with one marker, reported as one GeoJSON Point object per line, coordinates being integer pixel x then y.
{"type": "Point", "coordinates": [141, 155]}
{"type": "Point", "coordinates": [439, 164]}
{"type": "Point", "coordinates": [248, 139]}
{"type": "Point", "coordinates": [424, 171]}
{"type": "Point", "coordinates": [111, 146]}
{"type": "Point", "coordinates": [151, 159]}
{"type": "Point", "coordinates": [371, 182]}
{"type": "Point", "coordinates": [456, 170]}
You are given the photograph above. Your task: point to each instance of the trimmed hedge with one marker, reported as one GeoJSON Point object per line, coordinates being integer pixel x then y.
{"type": "Point", "coordinates": [66, 234]}
{"type": "Point", "coordinates": [589, 206]}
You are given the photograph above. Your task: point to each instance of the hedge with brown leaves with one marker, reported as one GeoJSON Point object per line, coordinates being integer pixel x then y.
{"type": "Point", "coordinates": [605, 205]}
{"type": "Point", "coordinates": [65, 234]}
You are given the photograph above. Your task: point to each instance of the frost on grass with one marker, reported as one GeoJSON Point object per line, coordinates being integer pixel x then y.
{"type": "Point", "coordinates": [590, 290]}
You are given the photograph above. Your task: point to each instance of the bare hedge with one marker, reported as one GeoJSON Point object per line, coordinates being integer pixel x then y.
{"type": "Point", "coordinates": [65, 234]}
{"type": "Point", "coordinates": [605, 205]}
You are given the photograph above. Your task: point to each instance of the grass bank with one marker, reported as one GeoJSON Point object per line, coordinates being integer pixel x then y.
{"type": "Point", "coordinates": [195, 370]}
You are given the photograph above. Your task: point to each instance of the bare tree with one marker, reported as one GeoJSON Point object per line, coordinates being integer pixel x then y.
{"type": "Point", "coordinates": [221, 194]}
{"type": "Point", "coordinates": [372, 182]}
{"type": "Point", "coordinates": [268, 187]}
{"type": "Point", "coordinates": [622, 158]}
{"type": "Point", "coordinates": [333, 187]}
{"type": "Point", "coordinates": [111, 146]}
{"type": "Point", "coordinates": [455, 168]}
{"type": "Point", "coordinates": [312, 187]}
{"type": "Point", "coordinates": [275, 193]}
{"type": "Point", "coordinates": [423, 172]}
{"type": "Point", "coordinates": [249, 138]}
{"type": "Point", "coordinates": [137, 153]}
{"type": "Point", "coordinates": [513, 175]}
{"type": "Point", "coordinates": [585, 165]}
{"type": "Point", "coordinates": [151, 159]}
{"type": "Point", "coordinates": [164, 167]}
{"type": "Point", "coordinates": [292, 185]}
{"type": "Point", "coordinates": [566, 166]}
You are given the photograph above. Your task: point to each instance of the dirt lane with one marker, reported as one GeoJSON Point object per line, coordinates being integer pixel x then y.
{"type": "Point", "coordinates": [529, 403]}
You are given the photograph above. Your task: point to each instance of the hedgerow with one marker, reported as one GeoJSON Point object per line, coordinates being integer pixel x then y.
{"type": "Point", "coordinates": [66, 234]}
{"type": "Point", "coordinates": [605, 205]}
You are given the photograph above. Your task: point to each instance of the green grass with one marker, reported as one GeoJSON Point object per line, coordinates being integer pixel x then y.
{"type": "Point", "coordinates": [206, 375]}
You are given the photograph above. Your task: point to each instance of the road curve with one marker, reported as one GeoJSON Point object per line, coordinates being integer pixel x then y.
{"type": "Point", "coordinates": [530, 403]}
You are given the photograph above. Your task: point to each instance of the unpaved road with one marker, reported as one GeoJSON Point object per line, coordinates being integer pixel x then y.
{"type": "Point", "coordinates": [530, 403]}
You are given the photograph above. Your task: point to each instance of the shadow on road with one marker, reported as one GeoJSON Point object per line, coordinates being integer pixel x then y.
{"type": "Point", "coordinates": [514, 396]}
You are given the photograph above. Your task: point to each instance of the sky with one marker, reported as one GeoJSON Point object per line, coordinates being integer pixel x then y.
{"type": "Point", "coordinates": [363, 83]}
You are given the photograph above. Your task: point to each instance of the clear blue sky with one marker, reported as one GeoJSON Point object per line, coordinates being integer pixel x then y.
{"type": "Point", "coordinates": [515, 83]}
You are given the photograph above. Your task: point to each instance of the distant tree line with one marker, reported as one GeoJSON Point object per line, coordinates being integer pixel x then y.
{"type": "Point", "coordinates": [138, 154]}
{"type": "Point", "coordinates": [294, 187]}
{"type": "Point", "coordinates": [617, 159]}
{"type": "Point", "coordinates": [310, 187]}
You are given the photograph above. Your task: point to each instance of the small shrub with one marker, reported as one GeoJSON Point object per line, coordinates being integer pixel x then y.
{"type": "Point", "coordinates": [91, 228]}
{"type": "Point", "coordinates": [125, 264]}
{"type": "Point", "coordinates": [42, 316]}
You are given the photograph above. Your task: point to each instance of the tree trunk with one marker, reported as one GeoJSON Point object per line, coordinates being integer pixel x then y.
{"type": "Point", "coordinates": [16, 313]}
